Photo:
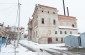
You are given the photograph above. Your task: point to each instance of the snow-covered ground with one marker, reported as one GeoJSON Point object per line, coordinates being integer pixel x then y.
{"type": "Point", "coordinates": [48, 48]}
{"type": "Point", "coordinates": [37, 46]}
{"type": "Point", "coordinates": [39, 49]}
{"type": "Point", "coordinates": [9, 50]}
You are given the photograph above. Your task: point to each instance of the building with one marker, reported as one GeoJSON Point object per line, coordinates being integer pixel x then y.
{"type": "Point", "coordinates": [11, 32]}
{"type": "Point", "coordinates": [1, 29]}
{"type": "Point", "coordinates": [47, 26]}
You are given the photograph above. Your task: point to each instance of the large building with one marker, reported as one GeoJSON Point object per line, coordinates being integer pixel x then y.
{"type": "Point", "coordinates": [47, 26]}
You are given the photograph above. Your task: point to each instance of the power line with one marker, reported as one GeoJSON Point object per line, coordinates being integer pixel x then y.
{"type": "Point", "coordinates": [6, 8]}
{"type": "Point", "coordinates": [8, 3]}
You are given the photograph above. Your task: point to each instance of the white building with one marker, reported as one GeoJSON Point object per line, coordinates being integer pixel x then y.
{"type": "Point", "coordinates": [47, 26]}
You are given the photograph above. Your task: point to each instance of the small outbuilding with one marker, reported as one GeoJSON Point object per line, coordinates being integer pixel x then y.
{"type": "Point", "coordinates": [72, 40]}
{"type": "Point", "coordinates": [82, 40]}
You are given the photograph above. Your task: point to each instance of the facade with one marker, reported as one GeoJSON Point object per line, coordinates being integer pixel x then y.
{"type": "Point", "coordinates": [47, 26]}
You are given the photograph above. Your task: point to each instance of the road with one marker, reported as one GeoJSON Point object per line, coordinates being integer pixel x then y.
{"type": "Point", "coordinates": [58, 52]}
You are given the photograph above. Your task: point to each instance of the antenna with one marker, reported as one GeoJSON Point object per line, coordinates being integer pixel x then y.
{"type": "Point", "coordinates": [67, 11]}
{"type": "Point", "coordinates": [64, 8]}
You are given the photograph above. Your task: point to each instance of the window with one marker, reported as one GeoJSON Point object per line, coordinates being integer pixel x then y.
{"type": "Point", "coordinates": [70, 32]}
{"type": "Point", "coordinates": [48, 11]}
{"type": "Point", "coordinates": [55, 32]}
{"type": "Point", "coordinates": [42, 20]}
{"type": "Point", "coordinates": [60, 32]}
{"type": "Point", "coordinates": [25, 36]}
{"type": "Point", "coordinates": [61, 40]}
{"type": "Point", "coordinates": [72, 25]}
{"type": "Point", "coordinates": [53, 12]}
{"type": "Point", "coordinates": [42, 10]}
{"type": "Point", "coordinates": [65, 32]}
{"type": "Point", "coordinates": [54, 22]}
{"type": "Point", "coordinates": [56, 39]}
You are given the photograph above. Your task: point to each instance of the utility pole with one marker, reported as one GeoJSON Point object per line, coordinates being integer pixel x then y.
{"type": "Point", "coordinates": [18, 23]}
{"type": "Point", "coordinates": [18, 37]}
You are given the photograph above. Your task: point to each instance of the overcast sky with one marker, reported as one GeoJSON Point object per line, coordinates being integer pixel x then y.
{"type": "Point", "coordinates": [8, 10]}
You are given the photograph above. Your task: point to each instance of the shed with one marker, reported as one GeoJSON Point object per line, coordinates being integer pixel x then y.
{"type": "Point", "coordinates": [72, 40]}
{"type": "Point", "coordinates": [82, 35]}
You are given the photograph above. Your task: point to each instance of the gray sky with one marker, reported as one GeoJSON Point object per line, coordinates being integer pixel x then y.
{"type": "Point", "coordinates": [8, 12]}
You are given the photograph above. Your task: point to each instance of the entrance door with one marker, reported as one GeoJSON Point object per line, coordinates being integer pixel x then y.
{"type": "Point", "coordinates": [49, 40]}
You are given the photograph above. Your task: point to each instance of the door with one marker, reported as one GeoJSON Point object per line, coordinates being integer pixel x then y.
{"type": "Point", "coordinates": [49, 40]}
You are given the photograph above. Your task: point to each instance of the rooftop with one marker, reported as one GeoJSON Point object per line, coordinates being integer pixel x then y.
{"type": "Point", "coordinates": [66, 16]}
{"type": "Point", "coordinates": [46, 6]}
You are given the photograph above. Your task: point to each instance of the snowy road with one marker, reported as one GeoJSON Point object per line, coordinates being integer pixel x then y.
{"type": "Point", "coordinates": [27, 47]}
{"type": "Point", "coordinates": [52, 50]}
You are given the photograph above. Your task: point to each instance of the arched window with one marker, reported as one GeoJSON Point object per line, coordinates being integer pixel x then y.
{"type": "Point", "coordinates": [54, 22]}
{"type": "Point", "coordinates": [42, 20]}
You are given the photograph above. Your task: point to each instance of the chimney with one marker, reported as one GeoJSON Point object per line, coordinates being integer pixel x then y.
{"type": "Point", "coordinates": [64, 8]}
{"type": "Point", "coordinates": [67, 11]}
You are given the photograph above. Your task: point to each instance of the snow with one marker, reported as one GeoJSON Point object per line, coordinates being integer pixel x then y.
{"type": "Point", "coordinates": [67, 27]}
{"type": "Point", "coordinates": [76, 35]}
{"type": "Point", "coordinates": [37, 46]}
{"type": "Point", "coordinates": [9, 50]}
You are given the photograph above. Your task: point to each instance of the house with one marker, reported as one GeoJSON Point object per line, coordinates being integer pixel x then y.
{"type": "Point", "coordinates": [47, 26]}
{"type": "Point", "coordinates": [12, 32]}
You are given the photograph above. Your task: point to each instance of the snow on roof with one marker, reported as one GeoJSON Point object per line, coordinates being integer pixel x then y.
{"type": "Point", "coordinates": [67, 27]}
{"type": "Point", "coordinates": [77, 35]}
